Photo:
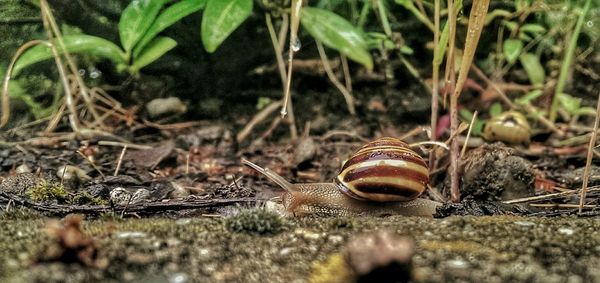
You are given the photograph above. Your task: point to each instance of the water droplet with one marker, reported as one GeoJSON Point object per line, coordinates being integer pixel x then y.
{"type": "Point", "coordinates": [95, 73]}
{"type": "Point", "coordinates": [590, 24]}
{"type": "Point", "coordinates": [296, 45]}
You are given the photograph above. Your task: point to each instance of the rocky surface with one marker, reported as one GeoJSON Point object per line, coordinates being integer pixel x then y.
{"type": "Point", "coordinates": [272, 249]}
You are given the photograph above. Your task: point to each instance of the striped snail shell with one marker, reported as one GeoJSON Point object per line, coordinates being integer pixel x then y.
{"type": "Point", "coordinates": [384, 170]}
{"type": "Point", "coordinates": [509, 127]}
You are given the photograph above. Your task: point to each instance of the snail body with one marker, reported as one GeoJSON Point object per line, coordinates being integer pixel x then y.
{"type": "Point", "coordinates": [509, 127]}
{"type": "Point", "coordinates": [384, 177]}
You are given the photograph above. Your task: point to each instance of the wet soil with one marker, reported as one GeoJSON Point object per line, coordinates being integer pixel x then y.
{"type": "Point", "coordinates": [211, 249]}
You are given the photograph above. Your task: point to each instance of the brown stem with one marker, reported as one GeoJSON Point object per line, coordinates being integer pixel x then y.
{"type": "Point", "coordinates": [435, 84]}
{"type": "Point", "coordinates": [586, 172]}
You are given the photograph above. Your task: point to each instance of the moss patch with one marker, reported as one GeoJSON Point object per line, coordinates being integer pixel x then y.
{"type": "Point", "coordinates": [45, 191]}
{"type": "Point", "coordinates": [258, 221]}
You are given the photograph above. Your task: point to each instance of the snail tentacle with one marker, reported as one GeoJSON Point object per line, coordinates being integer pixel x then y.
{"type": "Point", "coordinates": [276, 178]}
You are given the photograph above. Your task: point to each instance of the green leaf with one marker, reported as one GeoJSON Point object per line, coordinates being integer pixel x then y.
{"type": "Point", "coordinates": [376, 40]}
{"type": "Point", "coordinates": [589, 111]}
{"type": "Point", "coordinates": [467, 116]}
{"type": "Point", "coordinates": [136, 19]}
{"type": "Point", "coordinates": [75, 43]}
{"type": "Point", "coordinates": [440, 50]}
{"type": "Point", "coordinates": [524, 37]}
{"type": "Point", "coordinates": [220, 19]}
{"type": "Point", "coordinates": [405, 49]}
{"type": "Point", "coordinates": [166, 18]}
{"type": "Point", "coordinates": [512, 48]}
{"type": "Point", "coordinates": [512, 26]}
{"type": "Point", "coordinates": [154, 50]}
{"type": "Point", "coordinates": [337, 33]}
{"type": "Point", "coordinates": [569, 103]}
{"type": "Point", "coordinates": [533, 67]}
{"type": "Point", "coordinates": [533, 28]}
{"type": "Point", "coordinates": [496, 13]}
{"type": "Point", "coordinates": [530, 96]}
{"type": "Point", "coordinates": [495, 109]}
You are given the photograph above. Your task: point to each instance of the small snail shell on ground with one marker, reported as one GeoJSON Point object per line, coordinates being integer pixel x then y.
{"type": "Point", "coordinates": [510, 127]}
{"type": "Point", "coordinates": [384, 177]}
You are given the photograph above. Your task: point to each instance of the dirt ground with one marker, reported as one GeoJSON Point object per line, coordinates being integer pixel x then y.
{"type": "Point", "coordinates": [224, 249]}
{"type": "Point", "coordinates": [186, 210]}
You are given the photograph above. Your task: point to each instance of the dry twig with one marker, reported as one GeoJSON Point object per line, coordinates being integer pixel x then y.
{"type": "Point", "coordinates": [586, 172]}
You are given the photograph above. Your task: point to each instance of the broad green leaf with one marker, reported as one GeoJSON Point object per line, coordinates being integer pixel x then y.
{"type": "Point", "coordinates": [569, 103]}
{"type": "Point", "coordinates": [495, 109]}
{"type": "Point", "coordinates": [136, 19]}
{"type": "Point", "coordinates": [337, 33]}
{"type": "Point", "coordinates": [512, 48]}
{"type": "Point", "coordinates": [75, 43]}
{"type": "Point", "coordinates": [166, 18]}
{"type": "Point", "coordinates": [529, 97]}
{"type": "Point", "coordinates": [220, 19]}
{"type": "Point", "coordinates": [533, 67]}
{"type": "Point", "coordinates": [154, 50]}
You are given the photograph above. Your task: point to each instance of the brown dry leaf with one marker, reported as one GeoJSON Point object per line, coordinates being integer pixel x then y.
{"type": "Point", "coordinates": [150, 158]}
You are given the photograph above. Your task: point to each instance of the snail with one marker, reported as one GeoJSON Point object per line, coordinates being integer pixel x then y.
{"type": "Point", "coordinates": [383, 177]}
{"type": "Point", "coordinates": [510, 127]}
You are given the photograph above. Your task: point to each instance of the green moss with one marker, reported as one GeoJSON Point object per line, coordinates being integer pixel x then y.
{"type": "Point", "coordinates": [333, 270]}
{"type": "Point", "coordinates": [45, 191]}
{"type": "Point", "coordinates": [87, 198]}
{"type": "Point", "coordinates": [19, 213]}
{"type": "Point", "coordinates": [257, 221]}
{"type": "Point", "coordinates": [341, 223]}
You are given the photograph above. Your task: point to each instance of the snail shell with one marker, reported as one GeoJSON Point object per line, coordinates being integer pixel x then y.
{"type": "Point", "coordinates": [510, 127]}
{"type": "Point", "coordinates": [384, 170]}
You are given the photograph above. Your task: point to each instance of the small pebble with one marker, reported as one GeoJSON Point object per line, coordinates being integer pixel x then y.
{"type": "Point", "coordinates": [163, 106]}
{"type": "Point", "coordinates": [457, 263]}
{"type": "Point", "coordinates": [70, 172]}
{"type": "Point", "coordinates": [178, 278]}
{"type": "Point", "coordinates": [183, 221]}
{"type": "Point", "coordinates": [286, 251]}
{"type": "Point", "coordinates": [566, 231]}
{"type": "Point", "coordinates": [133, 234]}
{"type": "Point", "coordinates": [525, 223]}
{"type": "Point", "coordinates": [335, 239]}
{"type": "Point", "coordinates": [23, 168]}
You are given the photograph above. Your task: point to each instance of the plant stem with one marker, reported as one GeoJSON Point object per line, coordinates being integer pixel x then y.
{"type": "Point", "coordinates": [277, 49]}
{"type": "Point", "coordinates": [347, 95]}
{"type": "Point", "coordinates": [450, 76]}
{"type": "Point", "coordinates": [294, 23]}
{"type": "Point", "coordinates": [435, 84]}
{"type": "Point", "coordinates": [588, 163]}
{"type": "Point", "coordinates": [566, 65]}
